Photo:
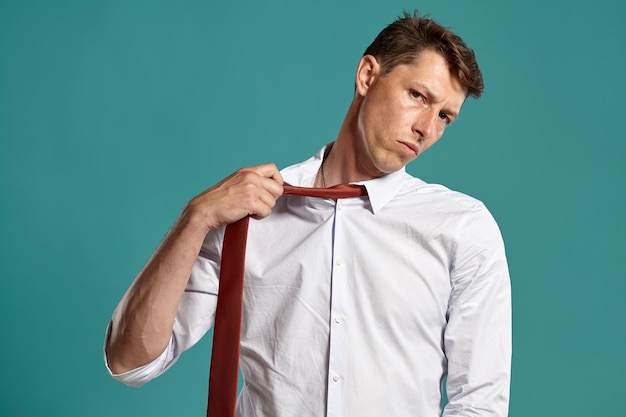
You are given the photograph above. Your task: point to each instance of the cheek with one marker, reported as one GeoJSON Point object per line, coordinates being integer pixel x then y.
{"type": "Point", "coordinates": [371, 123]}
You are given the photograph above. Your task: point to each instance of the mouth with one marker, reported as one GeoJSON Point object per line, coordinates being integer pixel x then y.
{"type": "Point", "coordinates": [409, 148]}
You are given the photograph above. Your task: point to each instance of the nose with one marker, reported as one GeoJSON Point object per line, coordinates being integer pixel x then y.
{"type": "Point", "coordinates": [426, 123]}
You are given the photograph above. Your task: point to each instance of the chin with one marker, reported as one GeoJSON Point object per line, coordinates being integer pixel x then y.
{"type": "Point", "coordinates": [389, 168]}
{"type": "Point", "coordinates": [391, 161]}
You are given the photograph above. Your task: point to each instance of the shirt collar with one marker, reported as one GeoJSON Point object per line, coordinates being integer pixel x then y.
{"type": "Point", "coordinates": [379, 190]}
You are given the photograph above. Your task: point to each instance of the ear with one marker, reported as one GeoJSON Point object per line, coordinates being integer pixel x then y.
{"type": "Point", "coordinates": [367, 72]}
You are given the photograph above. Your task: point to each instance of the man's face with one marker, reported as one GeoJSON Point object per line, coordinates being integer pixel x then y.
{"type": "Point", "coordinates": [404, 112]}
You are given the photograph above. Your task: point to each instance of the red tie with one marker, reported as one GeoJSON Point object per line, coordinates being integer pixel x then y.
{"type": "Point", "coordinates": [223, 377]}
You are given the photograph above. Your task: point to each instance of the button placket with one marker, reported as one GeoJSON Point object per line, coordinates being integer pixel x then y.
{"type": "Point", "coordinates": [338, 337]}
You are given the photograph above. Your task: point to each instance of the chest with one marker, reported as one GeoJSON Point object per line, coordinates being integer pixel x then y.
{"type": "Point", "coordinates": [392, 267]}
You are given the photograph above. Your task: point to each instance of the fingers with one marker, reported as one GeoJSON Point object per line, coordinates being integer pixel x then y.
{"type": "Point", "coordinates": [269, 171]}
{"type": "Point", "coordinates": [251, 191]}
{"type": "Point", "coordinates": [264, 185]}
{"type": "Point", "coordinates": [271, 180]}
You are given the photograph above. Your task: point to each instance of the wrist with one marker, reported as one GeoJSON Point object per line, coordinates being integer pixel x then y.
{"type": "Point", "coordinates": [192, 221]}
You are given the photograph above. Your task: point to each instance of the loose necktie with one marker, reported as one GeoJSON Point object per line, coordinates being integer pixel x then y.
{"type": "Point", "coordinates": [223, 377]}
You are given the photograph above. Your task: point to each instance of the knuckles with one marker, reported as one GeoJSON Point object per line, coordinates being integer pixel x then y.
{"type": "Point", "coordinates": [249, 191]}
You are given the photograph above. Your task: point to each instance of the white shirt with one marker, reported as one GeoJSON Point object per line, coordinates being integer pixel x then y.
{"type": "Point", "coordinates": [363, 306]}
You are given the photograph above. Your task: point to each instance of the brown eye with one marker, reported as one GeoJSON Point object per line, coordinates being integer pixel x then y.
{"type": "Point", "coordinates": [416, 95]}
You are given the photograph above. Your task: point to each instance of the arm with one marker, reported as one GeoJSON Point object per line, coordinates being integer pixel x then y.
{"type": "Point", "coordinates": [478, 335]}
{"type": "Point", "coordinates": [142, 323]}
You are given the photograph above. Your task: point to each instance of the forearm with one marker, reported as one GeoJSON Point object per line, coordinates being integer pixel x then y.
{"type": "Point", "coordinates": [142, 323]}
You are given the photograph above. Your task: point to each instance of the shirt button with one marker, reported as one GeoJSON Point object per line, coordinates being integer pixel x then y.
{"type": "Point", "coordinates": [338, 319]}
{"type": "Point", "coordinates": [336, 378]}
{"type": "Point", "coordinates": [338, 262]}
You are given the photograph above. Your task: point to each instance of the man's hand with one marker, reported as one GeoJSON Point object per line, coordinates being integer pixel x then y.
{"type": "Point", "coordinates": [251, 191]}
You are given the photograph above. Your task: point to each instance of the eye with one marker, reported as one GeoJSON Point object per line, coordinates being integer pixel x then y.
{"type": "Point", "coordinates": [445, 118]}
{"type": "Point", "coordinates": [416, 95]}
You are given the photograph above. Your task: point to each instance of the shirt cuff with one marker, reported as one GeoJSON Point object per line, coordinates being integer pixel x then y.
{"type": "Point", "coordinates": [145, 373]}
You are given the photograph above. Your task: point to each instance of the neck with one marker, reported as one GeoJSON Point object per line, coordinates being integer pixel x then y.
{"type": "Point", "coordinates": [344, 163]}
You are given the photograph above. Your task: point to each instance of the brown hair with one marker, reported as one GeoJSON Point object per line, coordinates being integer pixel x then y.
{"type": "Point", "coordinates": [401, 41]}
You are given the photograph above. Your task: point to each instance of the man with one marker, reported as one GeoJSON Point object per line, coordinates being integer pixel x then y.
{"type": "Point", "coordinates": [360, 306]}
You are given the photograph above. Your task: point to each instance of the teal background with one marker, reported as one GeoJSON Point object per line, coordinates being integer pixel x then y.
{"type": "Point", "coordinates": [113, 114]}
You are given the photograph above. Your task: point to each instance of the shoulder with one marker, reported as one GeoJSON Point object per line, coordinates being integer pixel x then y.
{"type": "Point", "coordinates": [467, 217]}
{"type": "Point", "coordinates": [303, 173]}
{"type": "Point", "coordinates": [440, 196]}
